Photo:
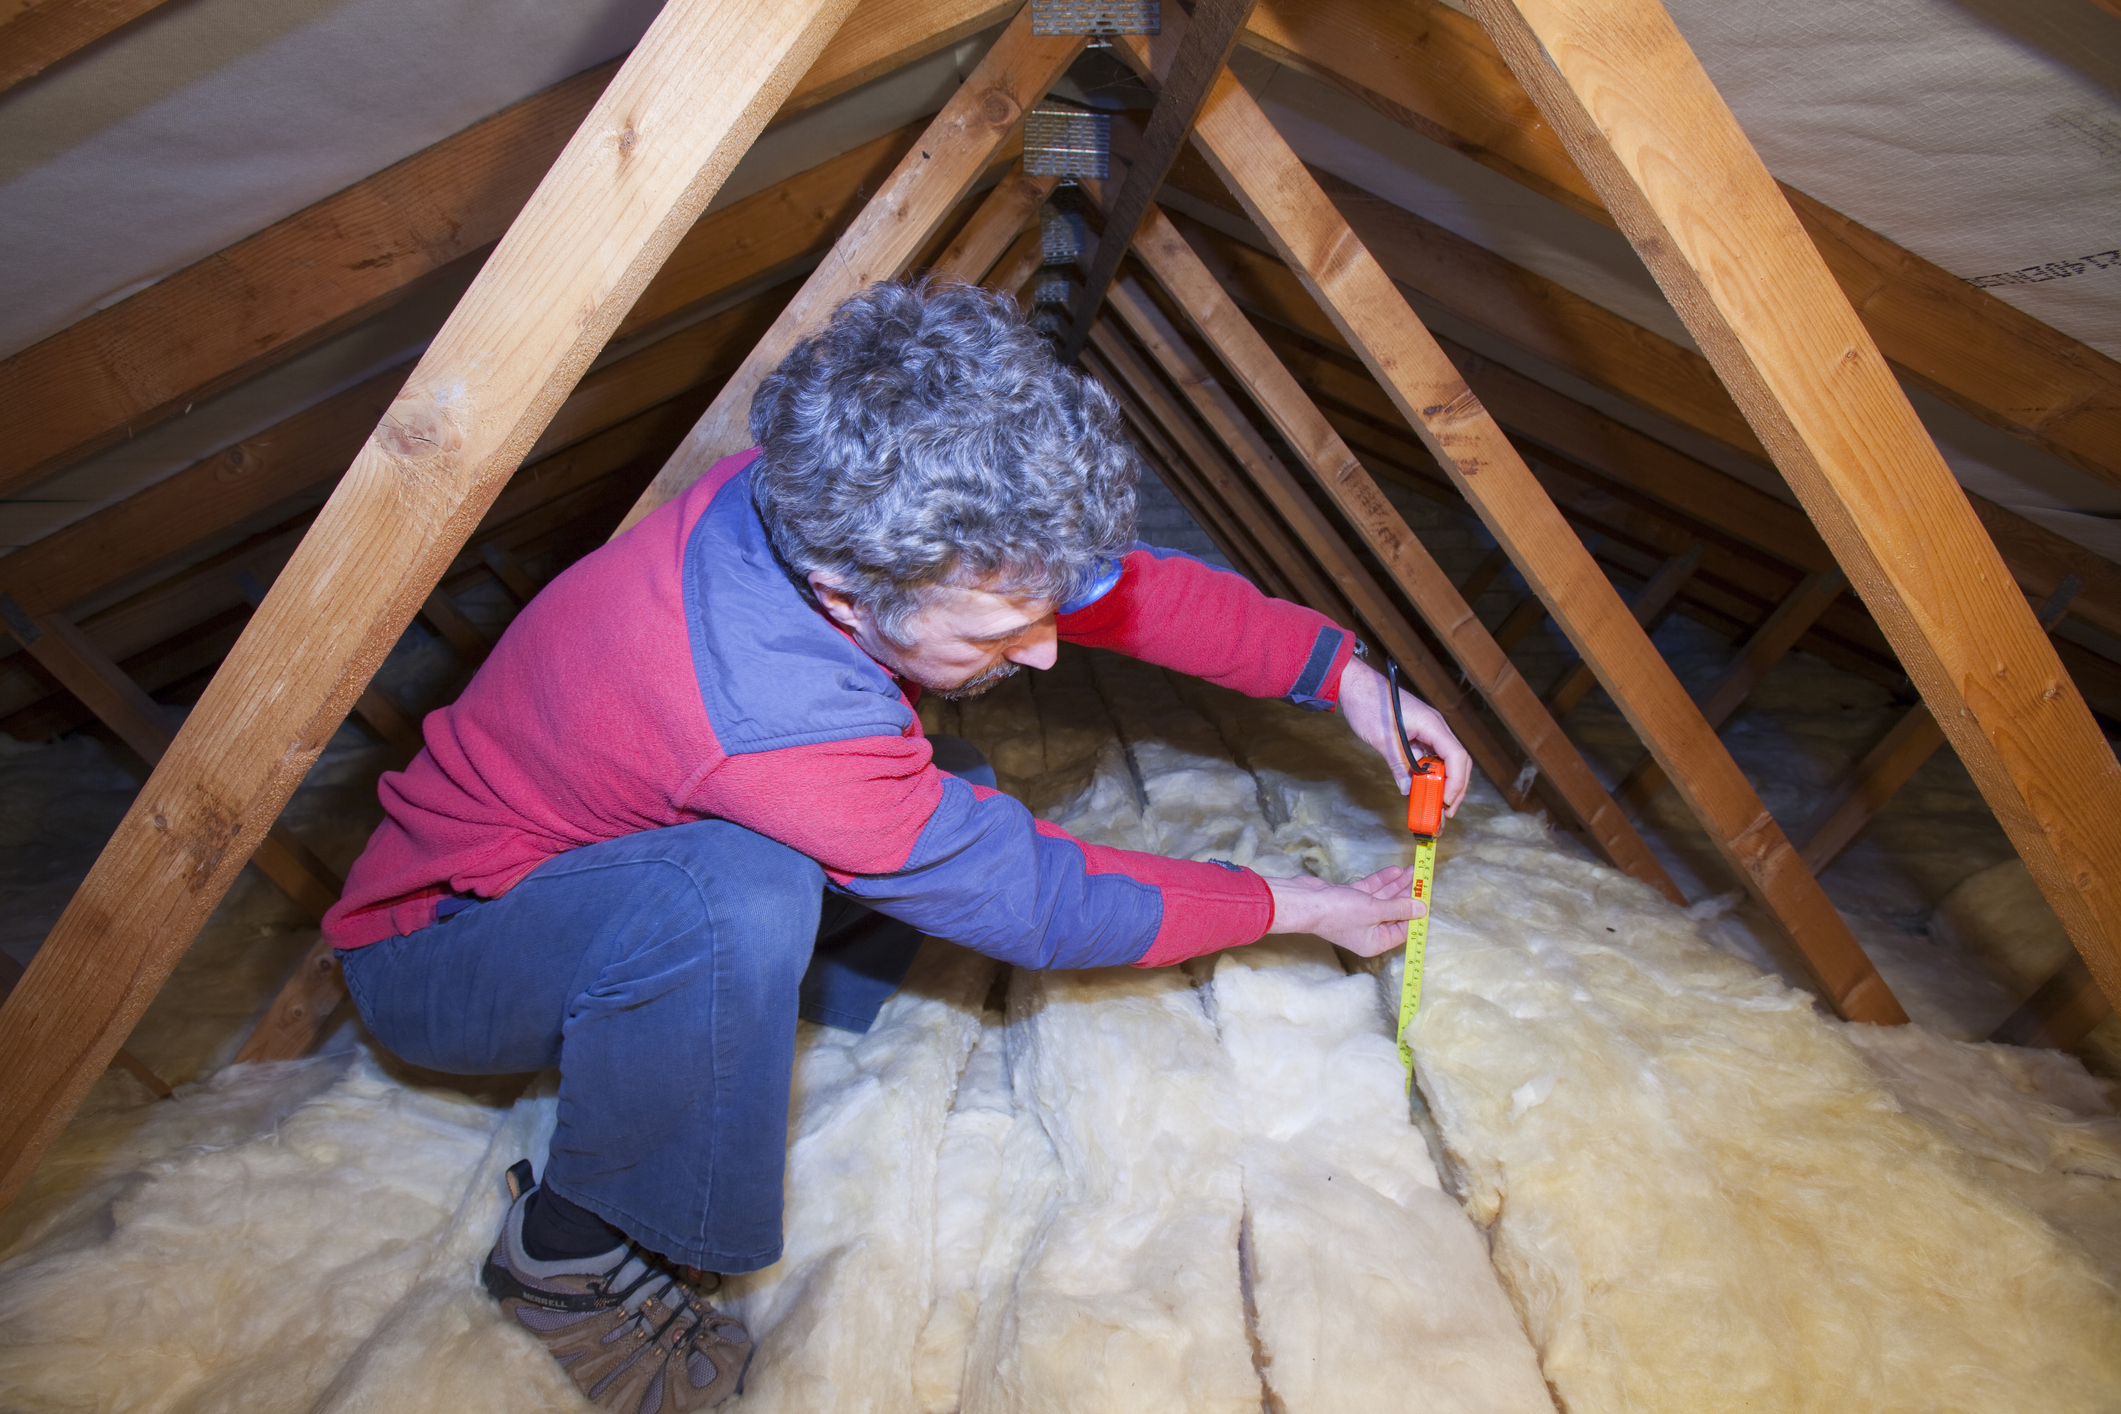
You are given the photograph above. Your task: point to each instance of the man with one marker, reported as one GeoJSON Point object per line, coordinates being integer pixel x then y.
{"type": "Point", "coordinates": [688, 799]}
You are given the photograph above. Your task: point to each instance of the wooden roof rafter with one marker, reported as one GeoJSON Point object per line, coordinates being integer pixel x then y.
{"type": "Point", "coordinates": [880, 243]}
{"type": "Point", "coordinates": [1434, 70]}
{"type": "Point", "coordinates": [43, 32]}
{"type": "Point", "coordinates": [652, 152]}
{"type": "Point", "coordinates": [1286, 204]}
{"type": "Point", "coordinates": [273, 294]}
{"type": "Point", "coordinates": [1648, 128]}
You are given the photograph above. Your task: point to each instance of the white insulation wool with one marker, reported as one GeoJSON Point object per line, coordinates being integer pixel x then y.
{"type": "Point", "coordinates": [1654, 1177]}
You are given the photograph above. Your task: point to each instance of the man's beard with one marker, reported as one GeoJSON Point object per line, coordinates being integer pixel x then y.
{"type": "Point", "coordinates": [973, 687]}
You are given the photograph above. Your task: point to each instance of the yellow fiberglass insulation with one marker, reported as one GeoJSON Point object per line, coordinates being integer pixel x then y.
{"type": "Point", "coordinates": [1700, 1191]}
{"type": "Point", "coordinates": [1654, 1177]}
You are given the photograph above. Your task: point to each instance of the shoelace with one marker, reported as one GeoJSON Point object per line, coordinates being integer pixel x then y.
{"type": "Point", "coordinates": [637, 1282]}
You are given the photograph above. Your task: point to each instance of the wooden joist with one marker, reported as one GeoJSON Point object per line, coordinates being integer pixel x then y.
{"type": "Point", "coordinates": [1431, 68]}
{"type": "Point", "coordinates": [928, 182]}
{"type": "Point", "coordinates": [1315, 242]}
{"type": "Point", "coordinates": [267, 297]}
{"type": "Point", "coordinates": [1648, 128]}
{"type": "Point", "coordinates": [1186, 67]}
{"type": "Point", "coordinates": [677, 117]}
{"type": "Point", "coordinates": [1335, 470]}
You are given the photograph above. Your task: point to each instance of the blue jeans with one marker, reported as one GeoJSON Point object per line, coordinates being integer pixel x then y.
{"type": "Point", "coordinates": [663, 973]}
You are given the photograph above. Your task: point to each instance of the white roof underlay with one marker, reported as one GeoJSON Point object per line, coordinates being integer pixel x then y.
{"type": "Point", "coordinates": [1984, 135]}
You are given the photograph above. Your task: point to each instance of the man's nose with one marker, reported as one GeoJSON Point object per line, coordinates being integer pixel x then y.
{"type": "Point", "coordinates": [1038, 648]}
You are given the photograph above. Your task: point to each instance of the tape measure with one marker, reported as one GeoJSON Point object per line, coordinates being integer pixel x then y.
{"type": "Point", "coordinates": [1425, 797]}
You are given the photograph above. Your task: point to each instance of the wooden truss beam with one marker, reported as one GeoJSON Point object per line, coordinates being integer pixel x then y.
{"type": "Point", "coordinates": [680, 113]}
{"type": "Point", "coordinates": [1648, 608]}
{"type": "Point", "coordinates": [41, 33]}
{"type": "Point", "coordinates": [1186, 69]}
{"type": "Point", "coordinates": [1316, 243]}
{"type": "Point", "coordinates": [266, 298]}
{"type": "Point", "coordinates": [927, 183]}
{"type": "Point", "coordinates": [1237, 536]}
{"type": "Point", "coordinates": [1646, 125]}
{"type": "Point", "coordinates": [1337, 472]}
{"type": "Point", "coordinates": [1426, 66]}
{"type": "Point", "coordinates": [139, 722]}
{"type": "Point", "coordinates": [995, 227]}
{"type": "Point", "coordinates": [1313, 533]}
{"type": "Point", "coordinates": [1767, 646]}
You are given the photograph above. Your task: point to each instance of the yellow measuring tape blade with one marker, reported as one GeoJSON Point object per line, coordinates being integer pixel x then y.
{"type": "Point", "coordinates": [1417, 950]}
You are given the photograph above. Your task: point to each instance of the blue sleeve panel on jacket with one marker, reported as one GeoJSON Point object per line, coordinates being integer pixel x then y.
{"type": "Point", "coordinates": [1312, 680]}
{"type": "Point", "coordinates": [751, 626]}
{"type": "Point", "coordinates": [984, 876]}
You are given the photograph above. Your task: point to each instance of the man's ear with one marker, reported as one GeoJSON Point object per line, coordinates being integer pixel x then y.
{"type": "Point", "coordinates": [838, 604]}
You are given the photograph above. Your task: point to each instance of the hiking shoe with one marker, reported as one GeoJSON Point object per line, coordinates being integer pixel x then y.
{"type": "Point", "coordinates": [634, 1337]}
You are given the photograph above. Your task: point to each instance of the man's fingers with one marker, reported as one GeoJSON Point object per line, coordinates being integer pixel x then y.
{"type": "Point", "coordinates": [1393, 877]}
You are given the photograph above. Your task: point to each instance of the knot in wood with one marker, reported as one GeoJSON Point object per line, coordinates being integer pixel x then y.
{"type": "Point", "coordinates": [998, 108]}
{"type": "Point", "coordinates": [416, 429]}
{"type": "Point", "coordinates": [1461, 405]}
{"type": "Point", "coordinates": [233, 463]}
{"type": "Point", "coordinates": [627, 139]}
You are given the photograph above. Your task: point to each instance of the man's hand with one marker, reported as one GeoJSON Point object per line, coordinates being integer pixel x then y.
{"type": "Point", "coordinates": [1365, 700]}
{"type": "Point", "coordinates": [1366, 917]}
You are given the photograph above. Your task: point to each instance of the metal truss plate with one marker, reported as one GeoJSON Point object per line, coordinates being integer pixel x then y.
{"type": "Point", "coordinates": [1096, 17]}
{"type": "Point", "coordinates": [1067, 142]}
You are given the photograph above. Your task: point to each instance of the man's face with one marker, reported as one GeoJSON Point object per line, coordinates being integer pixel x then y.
{"type": "Point", "coordinates": [960, 643]}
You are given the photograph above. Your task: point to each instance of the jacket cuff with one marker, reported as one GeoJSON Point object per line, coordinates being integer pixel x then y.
{"type": "Point", "coordinates": [1207, 907]}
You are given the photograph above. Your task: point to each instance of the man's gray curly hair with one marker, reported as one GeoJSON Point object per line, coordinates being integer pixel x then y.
{"type": "Point", "coordinates": [927, 436]}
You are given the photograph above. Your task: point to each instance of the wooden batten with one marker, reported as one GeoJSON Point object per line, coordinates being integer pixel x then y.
{"type": "Point", "coordinates": [1649, 130]}
{"type": "Point", "coordinates": [1287, 205]}
{"type": "Point", "coordinates": [680, 113]}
